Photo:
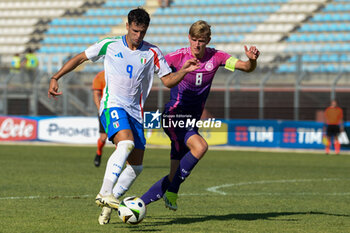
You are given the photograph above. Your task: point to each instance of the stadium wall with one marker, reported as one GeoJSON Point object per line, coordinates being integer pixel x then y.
{"type": "Point", "coordinates": [278, 103]}
{"type": "Point", "coordinates": [246, 133]}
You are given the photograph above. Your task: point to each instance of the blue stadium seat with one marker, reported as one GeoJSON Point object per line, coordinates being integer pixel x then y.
{"type": "Point", "coordinates": [331, 17]}
{"type": "Point", "coordinates": [336, 7]}
{"type": "Point", "coordinates": [107, 12]}
{"type": "Point", "coordinates": [222, 2]}
{"type": "Point", "coordinates": [327, 31]}
{"type": "Point", "coordinates": [284, 68]}
{"type": "Point", "coordinates": [216, 10]}
{"type": "Point", "coordinates": [129, 3]}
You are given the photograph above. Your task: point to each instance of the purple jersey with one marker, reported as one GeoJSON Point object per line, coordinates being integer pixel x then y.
{"type": "Point", "coordinates": [191, 93]}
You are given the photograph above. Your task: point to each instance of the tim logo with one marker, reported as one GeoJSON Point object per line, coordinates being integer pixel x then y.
{"type": "Point", "coordinates": [290, 135]}
{"type": "Point", "coordinates": [241, 133]}
{"type": "Point", "coordinates": [151, 120]}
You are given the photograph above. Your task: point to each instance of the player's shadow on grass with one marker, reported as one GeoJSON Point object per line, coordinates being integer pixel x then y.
{"type": "Point", "coordinates": [245, 217]}
{"type": "Point", "coordinates": [162, 221]}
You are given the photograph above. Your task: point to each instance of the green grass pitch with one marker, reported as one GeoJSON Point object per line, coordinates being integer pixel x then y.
{"type": "Point", "coordinates": [52, 189]}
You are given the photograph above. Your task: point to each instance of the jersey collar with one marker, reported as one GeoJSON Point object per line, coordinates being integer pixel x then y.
{"type": "Point", "coordinates": [126, 44]}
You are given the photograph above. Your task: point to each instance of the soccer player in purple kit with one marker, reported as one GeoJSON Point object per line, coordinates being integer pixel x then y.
{"type": "Point", "coordinates": [187, 100]}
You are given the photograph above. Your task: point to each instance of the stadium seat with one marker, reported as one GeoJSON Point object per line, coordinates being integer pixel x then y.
{"type": "Point", "coordinates": [252, 21]}
{"type": "Point", "coordinates": [130, 3]}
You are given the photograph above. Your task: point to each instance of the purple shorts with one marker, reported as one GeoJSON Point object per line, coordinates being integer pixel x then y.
{"type": "Point", "coordinates": [178, 134]}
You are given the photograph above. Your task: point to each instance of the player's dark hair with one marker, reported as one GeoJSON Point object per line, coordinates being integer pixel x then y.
{"type": "Point", "coordinates": [139, 16]}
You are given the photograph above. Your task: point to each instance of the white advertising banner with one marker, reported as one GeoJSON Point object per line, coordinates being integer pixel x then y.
{"type": "Point", "coordinates": [84, 130]}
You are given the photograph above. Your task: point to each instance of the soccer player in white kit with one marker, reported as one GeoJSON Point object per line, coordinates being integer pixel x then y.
{"type": "Point", "coordinates": [129, 64]}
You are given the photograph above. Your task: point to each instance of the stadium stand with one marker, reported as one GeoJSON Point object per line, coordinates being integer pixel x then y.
{"type": "Point", "coordinates": [277, 27]}
{"type": "Point", "coordinates": [294, 36]}
{"type": "Point", "coordinates": [22, 23]}
{"type": "Point", "coordinates": [323, 41]}
{"type": "Point", "coordinates": [73, 33]}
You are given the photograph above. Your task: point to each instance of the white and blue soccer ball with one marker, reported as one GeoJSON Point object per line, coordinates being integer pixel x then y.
{"type": "Point", "coordinates": [132, 210]}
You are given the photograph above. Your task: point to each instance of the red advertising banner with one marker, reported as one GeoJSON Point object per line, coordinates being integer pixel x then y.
{"type": "Point", "coordinates": [17, 129]}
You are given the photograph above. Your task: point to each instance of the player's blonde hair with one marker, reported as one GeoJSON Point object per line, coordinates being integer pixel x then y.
{"type": "Point", "coordinates": [200, 29]}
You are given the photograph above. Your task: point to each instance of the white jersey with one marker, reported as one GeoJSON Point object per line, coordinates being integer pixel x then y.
{"type": "Point", "coordinates": [128, 73]}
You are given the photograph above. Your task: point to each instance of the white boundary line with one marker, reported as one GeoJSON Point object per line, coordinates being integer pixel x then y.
{"type": "Point", "coordinates": [46, 197]}
{"type": "Point", "coordinates": [268, 194]}
{"type": "Point", "coordinates": [215, 189]}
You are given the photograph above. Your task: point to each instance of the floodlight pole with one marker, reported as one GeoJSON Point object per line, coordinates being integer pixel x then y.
{"type": "Point", "coordinates": [227, 94]}
{"type": "Point", "coordinates": [34, 96]}
{"type": "Point", "coordinates": [65, 100]}
{"type": "Point", "coordinates": [160, 96]}
{"type": "Point", "coordinates": [335, 81]}
{"type": "Point", "coordinates": [5, 93]}
{"type": "Point", "coordinates": [261, 95]}
{"type": "Point", "coordinates": [296, 95]}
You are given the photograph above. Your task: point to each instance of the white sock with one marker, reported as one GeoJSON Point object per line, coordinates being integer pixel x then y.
{"type": "Point", "coordinates": [115, 165]}
{"type": "Point", "coordinates": [126, 179]}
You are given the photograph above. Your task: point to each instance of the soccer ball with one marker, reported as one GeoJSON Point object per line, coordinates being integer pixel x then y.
{"type": "Point", "coordinates": [132, 210]}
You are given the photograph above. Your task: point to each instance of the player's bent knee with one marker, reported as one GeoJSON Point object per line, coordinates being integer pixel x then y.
{"type": "Point", "coordinates": [205, 147]}
{"type": "Point", "coordinates": [198, 146]}
{"type": "Point", "coordinates": [137, 169]}
{"type": "Point", "coordinates": [128, 145]}
{"type": "Point", "coordinates": [103, 137]}
{"type": "Point", "coordinates": [201, 148]}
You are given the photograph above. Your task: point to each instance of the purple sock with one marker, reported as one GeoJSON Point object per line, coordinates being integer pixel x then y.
{"type": "Point", "coordinates": [187, 163]}
{"type": "Point", "coordinates": [156, 191]}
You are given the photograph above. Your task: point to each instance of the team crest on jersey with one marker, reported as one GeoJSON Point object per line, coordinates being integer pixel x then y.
{"type": "Point", "coordinates": [116, 124]}
{"type": "Point", "coordinates": [209, 66]}
{"type": "Point", "coordinates": [143, 60]}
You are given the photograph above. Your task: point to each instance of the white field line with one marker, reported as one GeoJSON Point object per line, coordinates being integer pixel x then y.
{"type": "Point", "coordinates": [268, 194]}
{"type": "Point", "coordinates": [214, 191]}
{"type": "Point", "coordinates": [46, 197]}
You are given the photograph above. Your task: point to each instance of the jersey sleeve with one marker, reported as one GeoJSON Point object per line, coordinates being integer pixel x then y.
{"type": "Point", "coordinates": [227, 60]}
{"type": "Point", "coordinates": [170, 59]}
{"type": "Point", "coordinates": [98, 50]}
{"type": "Point", "coordinates": [161, 66]}
{"type": "Point", "coordinates": [173, 59]}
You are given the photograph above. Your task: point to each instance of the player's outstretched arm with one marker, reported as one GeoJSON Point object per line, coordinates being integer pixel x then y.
{"type": "Point", "coordinates": [66, 68]}
{"type": "Point", "coordinates": [248, 66]}
{"type": "Point", "coordinates": [172, 79]}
